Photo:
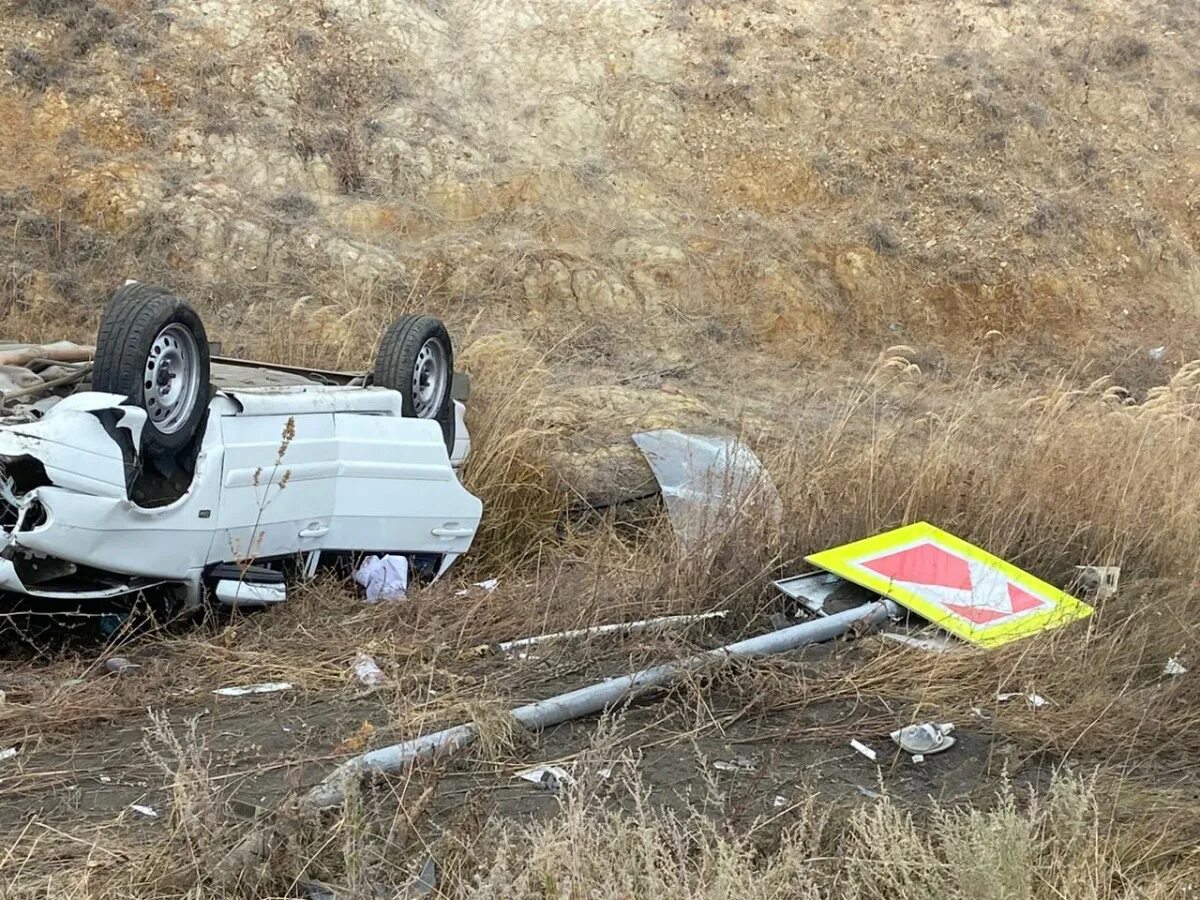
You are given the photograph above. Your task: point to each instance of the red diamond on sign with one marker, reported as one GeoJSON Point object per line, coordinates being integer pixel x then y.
{"type": "Point", "coordinates": [965, 587]}
{"type": "Point", "coordinates": [924, 564]}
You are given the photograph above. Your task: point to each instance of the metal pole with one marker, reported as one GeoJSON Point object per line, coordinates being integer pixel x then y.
{"type": "Point", "coordinates": [597, 697]}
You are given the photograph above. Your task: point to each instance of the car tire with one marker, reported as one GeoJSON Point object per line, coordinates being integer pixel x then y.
{"type": "Point", "coordinates": [152, 348]}
{"type": "Point", "coordinates": [417, 360]}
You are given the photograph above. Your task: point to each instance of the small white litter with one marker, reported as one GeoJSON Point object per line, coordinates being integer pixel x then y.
{"type": "Point", "coordinates": [550, 778]}
{"type": "Point", "coordinates": [1174, 667]}
{"type": "Point", "coordinates": [1035, 701]}
{"type": "Point", "coordinates": [864, 750]}
{"type": "Point", "coordinates": [119, 664]}
{"type": "Point", "coordinates": [367, 670]}
{"type": "Point", "coordinates": [737, 764]}
{"type": "Point", "coordinates": [383, 577]}
{"type": "Point", "coordinates": [1157, 353]}
{"type": "Point", "coordinates": [780, 801]}
{"type": "Point", "coordinates": [9, 753]}
{"type": "Point", "coordinates": [924, 739]}
{"type": "Point", "coordinates": [487, 586]}
{"type": "Point", "coordinates": [147, 811]}
{"type": "Point", "coordinates": [269, 687]}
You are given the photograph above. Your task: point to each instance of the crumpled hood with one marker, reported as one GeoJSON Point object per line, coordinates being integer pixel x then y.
{"type": "Point", "coordinates": [87, 443]}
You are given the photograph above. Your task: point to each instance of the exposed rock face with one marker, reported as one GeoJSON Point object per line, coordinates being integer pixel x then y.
{"type": "Point", "coordinates": [795, 170]}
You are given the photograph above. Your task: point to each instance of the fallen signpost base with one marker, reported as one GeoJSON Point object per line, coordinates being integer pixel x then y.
{"type": "Point", "coordinates": [596, 697]}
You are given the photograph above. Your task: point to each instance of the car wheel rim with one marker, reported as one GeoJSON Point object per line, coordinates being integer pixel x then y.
{"type": "Point", "coordinates": [430, 379]}
{"type": "Point", "coordinates": [171, 381]}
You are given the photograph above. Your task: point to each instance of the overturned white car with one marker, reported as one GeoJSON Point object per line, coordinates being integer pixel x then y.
{"type": "Point", "coordinates": [155, 463]}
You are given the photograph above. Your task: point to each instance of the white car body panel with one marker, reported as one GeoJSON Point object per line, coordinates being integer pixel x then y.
{"type": "Point", "coordinates": [355, 476]}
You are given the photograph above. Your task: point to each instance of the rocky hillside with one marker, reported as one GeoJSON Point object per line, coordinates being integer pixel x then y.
{"type": "Point", "coordinates": [785, 175]}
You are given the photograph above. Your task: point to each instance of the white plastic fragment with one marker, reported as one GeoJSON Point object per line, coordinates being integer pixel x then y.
{"type": "Point", "coordinates": [737, 764]}
{"type": "Point", "coordinates": [1156, 353]}
{"type": "Point", "coordinates": [1174, 667]}
{"type": "Point", "coordinates": [618, 627]}
{"type": "Point", "coordinates": [268, 687]}
{"type": "Point", "coordinates": [707, 482]}
{"type": "Point", "coordinates": [780, 801]}
{"type": "Point", "coordinates": [9, 753]}
{"type": "Point", "coordinates": [367, 670]}
{"type": "Point", "coordinates": [119, 664]}
{"type": "Point", "coordinates": [925, 738]}
{"type": "Point", "coordinates": [864, 750]}
{"type": "Point", "coordinates": [551, 778]}
{"type": "Point", "coordinates": [918, 758]}
{"type": "Point", "coordinates": [383, 577]}
{"type": "Point", "coordinates": [487, 586]}
{"type": "Point", "coordinates": [1035, 701]}
{"type": "Point", "coordinates": [1100, 581]}
{"type": "Point", "coordinates": [147, 811]}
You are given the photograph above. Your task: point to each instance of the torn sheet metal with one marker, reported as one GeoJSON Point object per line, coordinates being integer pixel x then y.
{"type": "Point", "coordinates": [955, 585]}
{"type": "Point", "coordinates": [812, 590]}
{"type": "Point", "coordinates": [706, 481]}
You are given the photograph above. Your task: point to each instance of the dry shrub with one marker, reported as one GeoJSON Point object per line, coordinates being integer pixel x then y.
{"type": "Point", "coordinates": [509, 467]}
{"type": "Point", "coordinates": [1060, 844]}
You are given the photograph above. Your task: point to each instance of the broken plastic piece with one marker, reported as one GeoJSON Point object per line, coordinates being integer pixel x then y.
{"type": "Point", "coordinates": [368, 671]}
{"type": "Point", "coordinates": [779, 801]}
{"type": "Point", "coordinates": [119, 664]}
{"type": "Point", "coordinates": [487, 586]}
{"type": "Point", "coordinates": [8, 754]}
{"type": "Point", "coordinates": [955, 585]}
{"type": "Point", "coordinates": [1174, 667]}
{"type": "Point", "coordinates": [1035, 701]}
{"type": "Point", "coordinates": [147, 811]}
{"type": "Point", "coordinates": [249, 594]}
{"type": "Point", "coordinates": [737, 764]}
{"type": "Point", "coordinates": [921, 740]}
{"type": "Point", "coordinates": [383, 577]}
{"type": "Point", "coordinates": [864, 750]}
{"type": "Point", "coordinates": [707, 482]}
{"type": "Point", "coordinates": [269, 687]}
{"type": "Point", "coordinates": [551, 778]}
{"type": "Point", "coordinates": [1099, 581]}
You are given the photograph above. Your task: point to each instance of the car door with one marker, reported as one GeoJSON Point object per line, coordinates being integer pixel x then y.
{"type": "Point", "coordinates": [396, 490]}
{"type": "Point", "coordinates": [278, 485]}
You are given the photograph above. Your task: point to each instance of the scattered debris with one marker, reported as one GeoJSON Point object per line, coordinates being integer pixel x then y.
{"type": "Point", "coordinates": [316, 890]}
{"type": "Point", "coordinates": [737, 764]}
{"type": "Point", "coordinates": [1174, 667]}
{"type": "Point", "coordinates": [867, 792]}
{"type": "Point", "coordinates": [9, 753]}
{"type": "Point", "coordinates": [119, 665]}
{"type": "Point", "coordinates": [383, 577]}
{"type": "Point", "coordinates": [955, 585]}
{"type": "Point", "coordinates": [596, 697]}
{"type": "Point", "coordinates": [1035, 701]}
{"type": "Point", "coordinates": [921, 740]}
{"type": "Point", "coordinates": [1100, 582]}
{"type": "Point", "coordinates": [424, 884]}
{"type": "Point", "coordinates": [357, 742]}
{"type": "Point", "coordinates": [269, 687]}
{"type": "Point", "coordinates": [707, 481]}
{"type": "Point", "coordinates": [616, 628]}
{"type": "Point", "coordinates": [147, 811]}
{"type": "Point", "coordinates": [864, 750]}
{"type": "Point", "coordinates": [779, 802]}
{"type": "Point", "coordinates": [550, 778]}
{"type": "Point", "coordinates": [367, 670]}
{"type": "Point", "coordinates": [487, 586]}
{"type": "Point", "coordinates": [932, 640]}
{"type": "Point", "coordinates": [1156, 354]}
